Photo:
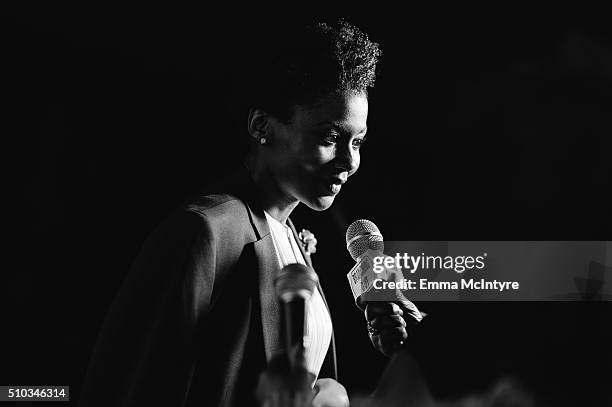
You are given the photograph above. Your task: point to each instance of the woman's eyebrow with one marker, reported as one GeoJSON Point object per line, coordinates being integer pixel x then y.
{"type": "Point", "coordinates": [340, 128]}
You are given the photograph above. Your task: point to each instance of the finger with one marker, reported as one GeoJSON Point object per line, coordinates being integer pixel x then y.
{"type": "Point", "coordinates": [387, 321]}
{"type": "Point", "coordinates": [391, 334]}
{"type": "Point", "coordinates": [392, 339]}
{"type": "Point", "coordinates": [389, 340]}
{"type": "Point", "coordinates": [382, 308]}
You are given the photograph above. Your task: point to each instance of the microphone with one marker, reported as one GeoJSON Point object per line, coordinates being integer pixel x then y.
{"type": "Point", "coordinates": [361, 236]}
{"type": "Point", "coordinates": [286, 374]}
{"type": "Point", "coordinates": [294, 285]}
{"type": "Point", "coordinates": [364, 242]}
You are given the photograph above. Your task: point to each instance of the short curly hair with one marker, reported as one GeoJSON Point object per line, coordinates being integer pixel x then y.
{"type": "Point", "coordinates": [323, 60]}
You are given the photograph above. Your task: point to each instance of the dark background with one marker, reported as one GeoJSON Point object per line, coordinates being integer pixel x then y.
{"type": "Point", "coordinates": [484, 125]}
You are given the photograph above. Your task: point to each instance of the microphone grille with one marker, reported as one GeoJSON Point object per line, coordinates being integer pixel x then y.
{"type": "Point", "coordinates": [296, 280]}
{"type": "Point", "coordinates": [362, 235]}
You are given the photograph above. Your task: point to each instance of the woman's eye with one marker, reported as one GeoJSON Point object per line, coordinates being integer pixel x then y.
{"type": "Point", "coordinates": [330, 138]}
{"type": "Point", "coordinates": [358, 142]}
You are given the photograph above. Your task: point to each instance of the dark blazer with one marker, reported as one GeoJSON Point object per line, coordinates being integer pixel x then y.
{"type": "Point", "coordinates": [197, 317]}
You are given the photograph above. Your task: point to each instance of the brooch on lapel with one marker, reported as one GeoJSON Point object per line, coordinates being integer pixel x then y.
{"type": "Point", "coordinates": [309, 241]}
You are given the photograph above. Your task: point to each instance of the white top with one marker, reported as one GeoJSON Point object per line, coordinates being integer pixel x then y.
{"type": "Point", "coordinates": [318, 322]}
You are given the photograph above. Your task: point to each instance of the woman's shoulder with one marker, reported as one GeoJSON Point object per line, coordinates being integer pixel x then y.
{"type": "Point", "coordinates": [225, 215]}
{"type": "Point", "coordinates": [226, 204]}
{"type": "Point", "coordinates": [216, 207]}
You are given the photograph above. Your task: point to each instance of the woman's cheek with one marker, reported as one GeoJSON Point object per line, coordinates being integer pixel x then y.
{"type": "Point", "coordinates": [316, 161]}
{"type": "Point", "coordinates": [357, 162]}
{"type": "Point", "coordinates": [325, 155]}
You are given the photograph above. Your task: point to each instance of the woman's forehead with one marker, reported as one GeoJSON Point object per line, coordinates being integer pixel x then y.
{"type": "Point", "coordinates": [338, 109]}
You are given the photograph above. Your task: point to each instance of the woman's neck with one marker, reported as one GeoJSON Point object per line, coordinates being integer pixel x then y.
{"type": "Point", "coordinates": [271, 198]}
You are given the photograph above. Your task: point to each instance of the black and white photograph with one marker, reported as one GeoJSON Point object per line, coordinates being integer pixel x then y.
{"type": "Point", "coordinates": [256, 205]}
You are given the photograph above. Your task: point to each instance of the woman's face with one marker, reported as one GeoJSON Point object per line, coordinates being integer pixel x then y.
{"type": "Point", "coordinates": [315, 153]}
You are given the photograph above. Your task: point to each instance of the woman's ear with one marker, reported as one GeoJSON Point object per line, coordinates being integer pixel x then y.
{"type": "Point", "coordinates": [258, 125]}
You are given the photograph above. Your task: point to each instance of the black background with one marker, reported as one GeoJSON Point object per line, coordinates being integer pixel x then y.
{"type": "Point", "coordinates": [483, 125]}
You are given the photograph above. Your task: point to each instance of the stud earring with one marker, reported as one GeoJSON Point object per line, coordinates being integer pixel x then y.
{"type": "Point", "coordinates": [262, 140]}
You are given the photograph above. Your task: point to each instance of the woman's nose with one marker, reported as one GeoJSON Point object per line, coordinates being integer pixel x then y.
{"type": "Point", "coordinates": [347, 159]}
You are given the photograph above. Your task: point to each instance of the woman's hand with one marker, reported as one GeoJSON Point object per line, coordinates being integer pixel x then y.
{"type": "Point", "coordinates": [386, 326]}
{"type": "Point", "coordinates": [329, 393]}
{"type": "Point", "coordinates": [280, 386]}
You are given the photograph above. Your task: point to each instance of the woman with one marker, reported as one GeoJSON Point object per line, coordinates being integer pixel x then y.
{"type": "Point", "coordinates": [196, 320]}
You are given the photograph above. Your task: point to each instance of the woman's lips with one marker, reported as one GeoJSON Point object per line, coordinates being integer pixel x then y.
{"type": "Point", "coordinates": [335, 188]}
{"type": "Point", "coordinates": [332, 187]}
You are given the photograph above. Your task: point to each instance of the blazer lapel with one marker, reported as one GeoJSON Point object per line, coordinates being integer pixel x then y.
{"type": "Point", "coordinates": [270, 310]}
{"type": "Point", "coordinates": [267, 262]}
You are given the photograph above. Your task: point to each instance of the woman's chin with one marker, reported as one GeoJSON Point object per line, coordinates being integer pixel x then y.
{"type": "Point", "coordinates": [320, 203]}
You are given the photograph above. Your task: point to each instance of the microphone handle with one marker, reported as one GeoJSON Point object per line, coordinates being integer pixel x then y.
{"type": "Point", "coordinates": [293, 319]}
